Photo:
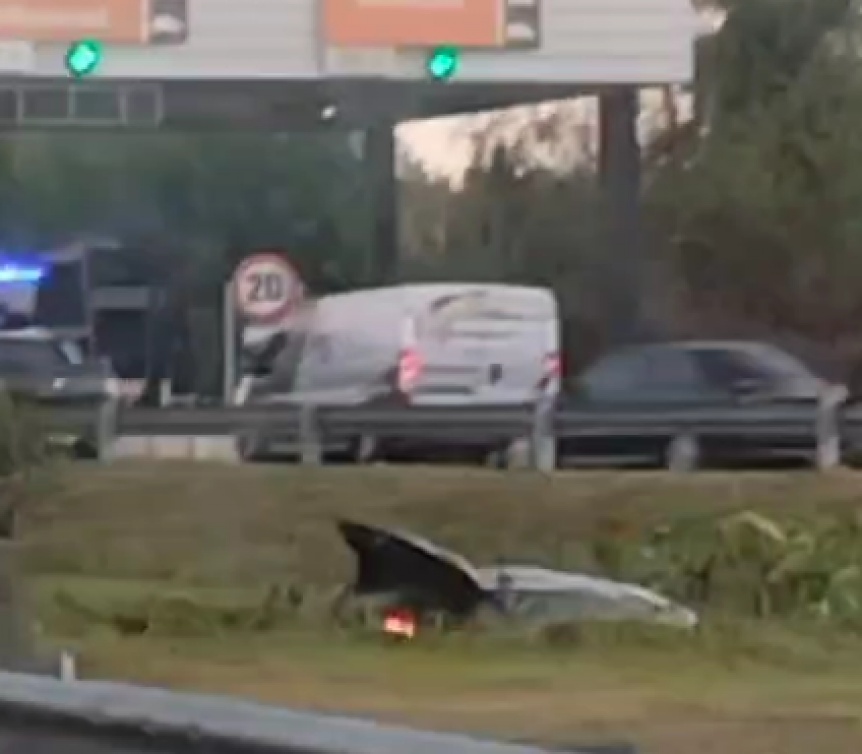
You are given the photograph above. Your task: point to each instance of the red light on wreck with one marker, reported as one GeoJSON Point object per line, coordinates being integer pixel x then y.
{"type": "Point", "coordinates": [400, 624]}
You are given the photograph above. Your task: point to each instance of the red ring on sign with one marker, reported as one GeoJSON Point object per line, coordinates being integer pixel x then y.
{"type": "Point", "coordinates": [272, 258]}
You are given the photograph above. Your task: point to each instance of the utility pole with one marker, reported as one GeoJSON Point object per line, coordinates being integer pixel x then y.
{"type": "Point", "coordinates": [380, 161]}
{"type": "Point", "coordinates": [620, 185]}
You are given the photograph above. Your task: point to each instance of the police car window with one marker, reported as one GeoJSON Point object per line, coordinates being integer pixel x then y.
{"type": "Point", "coordinates": [71, 352]}
{"type": "Point", "coordinates": [22, 354]}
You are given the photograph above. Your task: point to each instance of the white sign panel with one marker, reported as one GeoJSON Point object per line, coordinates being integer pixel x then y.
{"type": "Point", "coordinates": [17, 57]}
{"type": "Point", "coordinates": [578, 42]}
{"type": "Point", "coordinates": [266, 288]}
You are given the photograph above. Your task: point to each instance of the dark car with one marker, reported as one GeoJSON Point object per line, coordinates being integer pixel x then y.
{"type": "Point", "coordinates": [38, 366]}
{"type": "Point", "coordinates": [665, 376]}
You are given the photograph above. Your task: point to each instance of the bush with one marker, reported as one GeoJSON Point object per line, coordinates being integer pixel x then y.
{"type": "Point", "coordinates": [748, 564]}
{"type": "Point", "coordinates": [22, 450]}
{"type": "Point", "coordinates": [22, 441]}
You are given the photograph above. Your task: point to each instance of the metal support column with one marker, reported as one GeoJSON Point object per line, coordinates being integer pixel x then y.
{"type": "Point", "coordinates": [620, 182]}
{"type": "Point", "coordinates": [380, 159]}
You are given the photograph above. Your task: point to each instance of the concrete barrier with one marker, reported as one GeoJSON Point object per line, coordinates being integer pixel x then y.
{"type": "Point", "coordinates": [181, 447]}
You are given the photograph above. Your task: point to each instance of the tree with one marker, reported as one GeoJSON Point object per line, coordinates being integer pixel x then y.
{"type": "Point", "coordinates": [751, 213]}
{"type": "Point", "coordinates": [208, 198]}
{"type": "Point", "coordinates": [761, 220]}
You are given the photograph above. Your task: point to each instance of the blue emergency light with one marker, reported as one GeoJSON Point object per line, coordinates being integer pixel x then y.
{"type": "Point", "coordinates": [11, 273]}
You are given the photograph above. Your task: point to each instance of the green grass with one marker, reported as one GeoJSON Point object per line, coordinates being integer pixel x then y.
{"type": "Point", "coordinates": [160, 573]}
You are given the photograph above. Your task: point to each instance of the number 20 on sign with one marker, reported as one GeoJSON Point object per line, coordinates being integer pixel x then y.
{"type": "Point", "coordinates": [266, 288]}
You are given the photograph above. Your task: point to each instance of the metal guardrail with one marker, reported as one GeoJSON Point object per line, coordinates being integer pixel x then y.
{"type": "Point", "coordinates": [827, 427]}
{"type": "Point", "coordinates": [46, 716]}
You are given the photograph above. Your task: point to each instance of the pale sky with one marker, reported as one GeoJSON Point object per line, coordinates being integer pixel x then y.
{"type": "Point", "coordinates": [442, 145]}
{"type": "Point", "coordinates": [439, 144]}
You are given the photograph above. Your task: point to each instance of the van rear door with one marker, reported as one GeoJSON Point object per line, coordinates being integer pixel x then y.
{"type": "Point", "coordinates": [493, 344]}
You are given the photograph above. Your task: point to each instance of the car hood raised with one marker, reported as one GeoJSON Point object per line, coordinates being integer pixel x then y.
{"type": "Point", "coordinates": [423, 574]}
{"type": "Point", "coordinates": [416, 570]}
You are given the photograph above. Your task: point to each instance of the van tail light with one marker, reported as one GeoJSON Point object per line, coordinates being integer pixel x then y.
{"type": "Point", "coordinates": [410, 362]}
{"type": "Point", "coordinates": [552, 370]}
{"type": "Point", "coordinates": [400, 624]}
{"type": "Point", "coordinates": [409, 370]}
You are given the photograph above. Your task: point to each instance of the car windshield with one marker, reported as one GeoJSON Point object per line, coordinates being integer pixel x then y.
{"type": "Point", "coordinates": [779, 363]}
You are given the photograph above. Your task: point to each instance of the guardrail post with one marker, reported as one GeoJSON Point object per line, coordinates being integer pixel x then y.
{"type": "Point", "coordinates": [107, 416]}
{"type": "Point", "coordinates": [683, 453]}
{"type": "Point", "coordinates": [310, 450]}
{"type": "Point", "coordinates": [543, 442]}
{"type": "Point", "coordinates": [828, 431]}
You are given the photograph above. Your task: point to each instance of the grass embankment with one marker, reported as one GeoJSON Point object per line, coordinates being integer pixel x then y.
{"type": "Point", "coordinates": [165, 574]}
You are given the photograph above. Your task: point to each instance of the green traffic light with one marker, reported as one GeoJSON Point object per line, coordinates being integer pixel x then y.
{"type": "Point", "coordinates": [443, 63]}
{"type": "Point", "coordinates": [83, 58]}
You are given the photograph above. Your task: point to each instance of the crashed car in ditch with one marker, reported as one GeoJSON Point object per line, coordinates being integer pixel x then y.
{"type": "Point", "coordinates": [410, 578]}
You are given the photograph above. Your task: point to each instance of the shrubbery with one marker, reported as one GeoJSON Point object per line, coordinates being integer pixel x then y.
{"type": "Point", "coordinates": [747, 564]}
{"type": "Point", "coordinates": [23, 448]}
{"type": "Point", "coordinates": [731, 567]}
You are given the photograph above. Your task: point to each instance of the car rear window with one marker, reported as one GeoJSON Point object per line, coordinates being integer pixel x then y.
{"type": "Point", "coordinates": [723, 366]}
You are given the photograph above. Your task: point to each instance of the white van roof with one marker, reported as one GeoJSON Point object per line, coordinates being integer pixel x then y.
{"type": "Point", "coordinates": [374, 307]}
{"type": "Point", "coordinates": [410, 295]}
{"type": "Point", "coordinates": [433, 290]}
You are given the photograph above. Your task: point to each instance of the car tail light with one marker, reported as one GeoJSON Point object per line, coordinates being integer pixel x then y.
{"type": "Point", "coordinates": [400, 623]}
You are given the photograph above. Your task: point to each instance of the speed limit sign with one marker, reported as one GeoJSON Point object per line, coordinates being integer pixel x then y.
{"type": "Point", "coordinates": [266, 288]}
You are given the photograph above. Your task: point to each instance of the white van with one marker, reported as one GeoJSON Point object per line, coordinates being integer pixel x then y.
{"type": "Point", "coordinates": [436, 343]}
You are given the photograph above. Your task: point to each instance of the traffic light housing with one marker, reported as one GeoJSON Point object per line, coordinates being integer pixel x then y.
{"type": "Point", "coordinates": [443, 63]}
{"type": "Point", "coordinates": [83, 58]}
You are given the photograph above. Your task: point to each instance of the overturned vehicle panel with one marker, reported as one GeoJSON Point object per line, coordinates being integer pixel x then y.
{"type": "Point", "coordinates": [403, 571]}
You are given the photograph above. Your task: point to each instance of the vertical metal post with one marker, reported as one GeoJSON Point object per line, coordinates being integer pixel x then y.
{"type": "Point", "coordinates": [683, 454]}
{"type": "Point", "coordinates": [67, 670]}
{"type": "Point", "coordinates": [107, 416]}
{"type": "Point", "coordinates": [229, 330]}
{"type": "Point", "coordinates": [543, 442]}
{"type": "Point", "coordinates": [309, 436]}
{"type": "Point", "coordinates": [828, 430]}
{"type": "Point", "coordinates": [620, 180]}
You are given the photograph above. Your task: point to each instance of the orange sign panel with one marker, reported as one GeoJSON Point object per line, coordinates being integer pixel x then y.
{"type": "Point", "coordinates": [414, 23]}
{"type": "Point", "coordinates": [119, 21]}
